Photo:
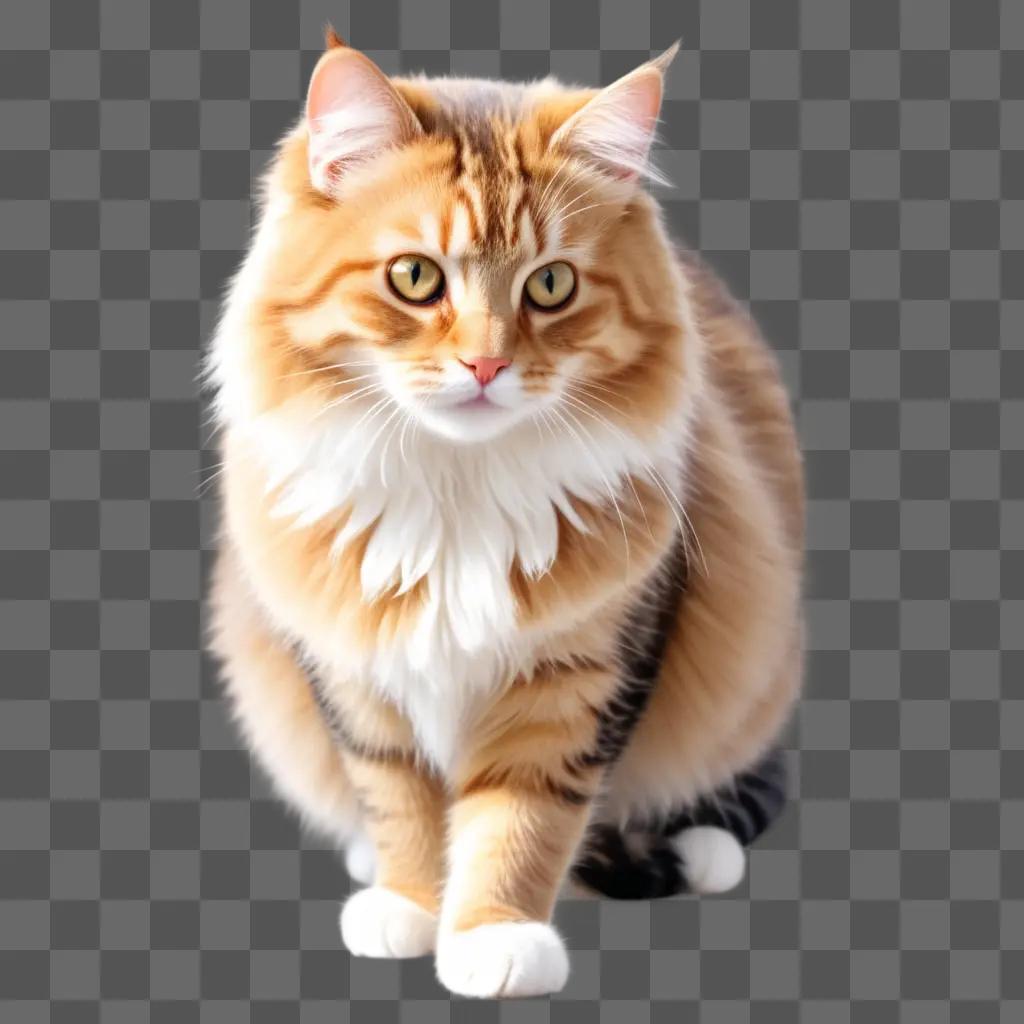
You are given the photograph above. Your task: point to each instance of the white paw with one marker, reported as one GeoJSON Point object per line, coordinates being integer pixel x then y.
{"type": "Point", "coordinates": [381, 923]}
{"type": "Point", "coordinates": [361, 859]}
{"type": "Point", "coordinates": [513, 958]}
{"type": "Point", "coordinates": [713, 859]}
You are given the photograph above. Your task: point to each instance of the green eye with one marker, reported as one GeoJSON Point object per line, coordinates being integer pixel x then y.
{"type": "Point", "coordinates": [416, 278]}
{"type": "Point", "coordinates": [551, 286]}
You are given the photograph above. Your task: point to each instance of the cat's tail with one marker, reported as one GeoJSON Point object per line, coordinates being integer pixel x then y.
{"type": "Point", "coordinates": [700, 849]}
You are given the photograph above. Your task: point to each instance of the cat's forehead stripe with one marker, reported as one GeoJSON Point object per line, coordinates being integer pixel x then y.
{"type": "Point", "coordinates": [523, 226]}
{"type": "Point", "coordinates": [460, 234]}
{"type": "Point", "coordinates": [450, 233]}
{"type": "Point", "coordinates": [494, 205]}
{"type": "Point", "coordinates": [488, 173]}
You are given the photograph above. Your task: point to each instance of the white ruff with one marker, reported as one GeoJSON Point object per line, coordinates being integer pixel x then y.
{"type": "Point", "coordinates": [457, 516]}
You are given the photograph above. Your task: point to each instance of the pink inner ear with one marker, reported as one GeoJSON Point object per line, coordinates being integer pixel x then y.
{"type": "Point", "coordinates": [644, 96]}
{"type": "Point", "coordinates": [642, 99]}
{"type": "Point", "coordinates": [352, 112]}
{"type": "Point", "coordinates": [616, 127]}
{"type": "Point", "coordinates": [340, 79]}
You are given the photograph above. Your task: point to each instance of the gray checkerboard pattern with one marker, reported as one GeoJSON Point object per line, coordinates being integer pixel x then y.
{"type": "Point", "coordinates": [856, 172]}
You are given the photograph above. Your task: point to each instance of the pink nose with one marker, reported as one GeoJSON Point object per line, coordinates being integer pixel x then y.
{"type": "Point", "coordinates": [485, 368]}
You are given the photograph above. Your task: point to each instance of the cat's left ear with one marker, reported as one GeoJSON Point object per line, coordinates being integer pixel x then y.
{"type": "Point", "coordinates": [615, 128]}
{"type": "Point", "coordinates": [353, 112]}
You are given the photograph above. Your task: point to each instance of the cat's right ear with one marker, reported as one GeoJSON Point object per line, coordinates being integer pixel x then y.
{"type": "Point", "coordinates": [353, 112]}
{"type": "Point", "coordinates": [614, 129]}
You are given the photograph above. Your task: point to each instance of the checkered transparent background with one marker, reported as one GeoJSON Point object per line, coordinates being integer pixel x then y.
{"type": "Point", "coordinates": [856, 171]}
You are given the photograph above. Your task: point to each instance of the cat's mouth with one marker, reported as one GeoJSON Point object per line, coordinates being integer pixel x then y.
{"type": "Point", "coordinates": [479, 401]}
{"type": "Point", "coordinates": [470, 418]}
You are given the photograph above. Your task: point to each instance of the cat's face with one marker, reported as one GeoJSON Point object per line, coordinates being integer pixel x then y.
{"type": "Point", "coordinates": [465, 257]}
{"type": "Point", "coordinates": [498, 318]}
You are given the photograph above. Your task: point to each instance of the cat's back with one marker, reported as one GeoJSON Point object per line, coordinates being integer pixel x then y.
{"type": "Point", "coordinates": [744, 377]}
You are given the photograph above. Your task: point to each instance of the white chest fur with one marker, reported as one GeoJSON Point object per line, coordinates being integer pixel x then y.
{"type": "Point", "coordinates": [456, 517]}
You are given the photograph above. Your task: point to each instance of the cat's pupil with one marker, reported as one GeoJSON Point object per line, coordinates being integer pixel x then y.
{"type": "Point", "coordinates": [415, 272]}
{"type": "Point", "coordinates": [549, 281]}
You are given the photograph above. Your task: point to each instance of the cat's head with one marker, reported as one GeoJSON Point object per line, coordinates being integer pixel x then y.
{"type": "Point", "coordinates": [467, 255]}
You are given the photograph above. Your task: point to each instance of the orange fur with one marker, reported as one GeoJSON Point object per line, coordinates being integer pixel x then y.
{"type": "Point", "coordinates": [650, 342]}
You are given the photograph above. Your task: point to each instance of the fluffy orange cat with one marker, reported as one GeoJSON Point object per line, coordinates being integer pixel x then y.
{"type": "Point", "coordinates": [509, 584]}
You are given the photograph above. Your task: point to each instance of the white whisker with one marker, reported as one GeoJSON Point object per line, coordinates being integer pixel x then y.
{"type": "Point", "coordinates": [601, 472]}
{"type": "Point", "coordinates": [329, 366]}
{"type": "Point", "coordinates": [576, 213]}
{"type": "Point", "coordinates": [367, 389]}
{"type": "Point", "coordinates": [583, 407]}
{"type": "Point", "coordinates": [675, 505]}
{"type": "Point", "coordinates": [204, 485]}
{"type": "Point", "coordinates": [583, 383]}
{"type": "Point", "coordinates": [551, 181]}
{"type": "Point", "coordinates": [576, 389]}
{"type": "Point", "coordinates": [399, 412]}
{"type": "Point", "coordinates": [572, 202]}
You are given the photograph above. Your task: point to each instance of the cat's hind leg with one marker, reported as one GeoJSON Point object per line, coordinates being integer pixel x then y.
{"type": "Point", "coordinates": [711, 837]}
{"type": "Point", "coordinates": [700, 849]}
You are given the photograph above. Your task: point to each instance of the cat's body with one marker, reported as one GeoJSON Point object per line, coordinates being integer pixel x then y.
{"type": "Point", "coordinates": [468, 612]}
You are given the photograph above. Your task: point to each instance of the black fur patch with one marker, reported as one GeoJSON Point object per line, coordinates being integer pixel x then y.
{"type": "Point", "coordinates": [641, 649]}
{"type": "Point", "coordinates": [646, 866]}
{"type": "Point", "coordinates": [610, 867]}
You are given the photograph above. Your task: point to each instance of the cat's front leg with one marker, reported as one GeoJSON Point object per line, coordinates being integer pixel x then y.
{"type": "Point", "coordinates": [522, 801]}
{"type": "Point", "coordinates": [403, 806]}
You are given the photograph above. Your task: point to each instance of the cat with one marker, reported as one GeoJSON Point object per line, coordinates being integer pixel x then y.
{"type": "Point", "coordinates": [508, 589]}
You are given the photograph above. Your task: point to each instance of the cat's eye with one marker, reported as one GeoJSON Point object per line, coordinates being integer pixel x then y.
{"type": "Point", "coordinates": [551, 286]}
{"type": "Point", "coordinates": [416, 278]}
